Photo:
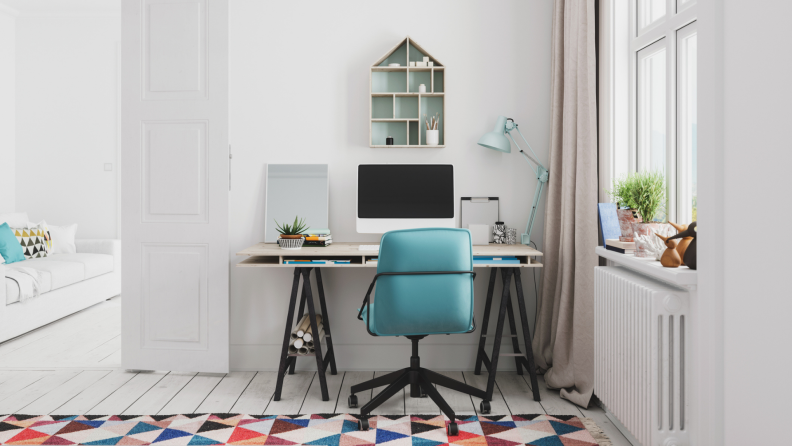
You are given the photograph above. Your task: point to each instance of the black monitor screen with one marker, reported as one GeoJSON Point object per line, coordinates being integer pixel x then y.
{"type": "Point", "coordinates": [405, 191]}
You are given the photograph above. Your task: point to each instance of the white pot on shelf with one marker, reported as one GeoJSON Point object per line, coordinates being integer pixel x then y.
{"type": "Point", "coordinates": [432, 137]}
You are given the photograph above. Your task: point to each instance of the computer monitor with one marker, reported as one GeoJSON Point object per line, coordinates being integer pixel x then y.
{"type": "Point", "coordinates": [404, 196]}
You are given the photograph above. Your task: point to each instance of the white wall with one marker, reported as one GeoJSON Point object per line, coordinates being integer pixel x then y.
{"type": "Point", "coordinates": [744, 158]}
{"type": "Point", "coordinates": [66, 115]}
{"type": "Point", "coordinates": [299, 87]}
{"type": "Point", "coordinates": [7, 110]}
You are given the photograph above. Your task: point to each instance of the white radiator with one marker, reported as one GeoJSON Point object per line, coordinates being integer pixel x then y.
{"type": "Point", "coordinates": [640, 355]}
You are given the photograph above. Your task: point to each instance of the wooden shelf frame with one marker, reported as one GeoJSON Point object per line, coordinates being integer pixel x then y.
{"type": "Point", "coordinates": [428, 103]}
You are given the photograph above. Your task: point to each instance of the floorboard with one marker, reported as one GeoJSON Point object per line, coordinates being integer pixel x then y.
{"type": "Point", "coordinates": [62, 394]}
{"type": "Point", "coordinates": [158, 396]}
{"type": "Point", "coordinates": [313, 399]}
{"type": "Point", "coordinates": [394, 406]}
{"type": "Point", "coordinates": [226, 394]}
{"type": "Point", "coordinates": [36, 390]}
{"type": "Point", "coordinates": [293, 394]}
{"type": "Point", "coordinates": [517, 394]}
{"type": "Point", "coordinates": [257, 395]}
{"type": "Point", "coordinates": [351, 379]}
{"type": "Point", "coordinates": [18, 381]}
{"type": "Point", "coordinates": [95, 393]}
{"type": "Point", "coordinates": [498, 404]}
{"type": "Point", "coordinates": [120, 400]}
{"type": "Point", "coordinates": [192, 395]}
{"type": "Point", "coordinates": [552, 403]}
{"type": "Point", "coordinates": [460, 402]}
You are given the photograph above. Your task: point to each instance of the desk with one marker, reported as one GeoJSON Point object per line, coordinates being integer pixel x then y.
{"type": "Point", "coordinates": [269, 255]}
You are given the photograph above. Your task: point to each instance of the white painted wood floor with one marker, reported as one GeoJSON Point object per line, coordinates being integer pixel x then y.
{"type": "Point", "coordinates": [73, 367]}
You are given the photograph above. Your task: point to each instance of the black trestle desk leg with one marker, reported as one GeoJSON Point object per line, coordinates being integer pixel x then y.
{"type": "Point", "coordinates": [325, 322]}
{"type": "Point", "coordinates": [485, 322]}
{"type": "Point", "coordinates": [287, 336]}
{"type": "Point", "coordinates": [526, 335]}
{"type": "Point", "coordinates": [320, 369]}
{"type": "Point", "coordinates": [506, 274]}
{"type": "Point", "coordinates": [513, 330]}
{"type": "Point", "coordinates": [299, 315]}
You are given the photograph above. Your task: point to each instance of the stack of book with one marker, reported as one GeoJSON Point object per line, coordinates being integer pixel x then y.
{"type": "Point", "coordinates": [504, 260]}
{"type": "Point", "coordinates": [318, 237]}
{"type": "Point", "coordinates": [619, 246]}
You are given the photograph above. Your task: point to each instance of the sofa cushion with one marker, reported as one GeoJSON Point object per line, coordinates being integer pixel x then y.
{"type": "Point", "coordinates": [56, 274]}
{"type": "Point", "coordinates": [94, 264]}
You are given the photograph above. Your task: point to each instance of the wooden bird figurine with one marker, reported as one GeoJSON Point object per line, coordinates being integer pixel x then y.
{"type": "Point", "coordinates": [690, 252]}
{"type": "Point", "coordinates": [685, 242]}
{"type": "Point", "coordinates": [671, 257]}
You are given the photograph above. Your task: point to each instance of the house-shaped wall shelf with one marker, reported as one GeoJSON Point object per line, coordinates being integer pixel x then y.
{"type": "Point", "coordinates": [397, 108]}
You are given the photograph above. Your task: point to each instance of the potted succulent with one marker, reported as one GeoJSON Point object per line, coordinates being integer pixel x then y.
{"type": "Point", "coordinates": [625, 208]}
{"type": "Point", "coordinates": [291, 236]}
{"type": "Point", "coordinates": [647, 194]}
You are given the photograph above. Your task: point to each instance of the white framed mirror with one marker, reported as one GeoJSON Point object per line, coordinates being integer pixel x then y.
{"type": "Point", "coordinates": [296, 190]}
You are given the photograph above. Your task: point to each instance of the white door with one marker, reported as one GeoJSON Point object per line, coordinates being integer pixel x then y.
{"type": "Point", "coordinates": [175, 185]}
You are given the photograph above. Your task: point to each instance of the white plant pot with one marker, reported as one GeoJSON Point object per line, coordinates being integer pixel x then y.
{"type": "Point", "coordinates": [422, 88]}
{"type": "Point", "coordinates": [432, 137]}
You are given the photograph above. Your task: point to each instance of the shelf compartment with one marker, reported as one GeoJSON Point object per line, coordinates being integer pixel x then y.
{"type": "Point", "coordinates": [382, 107]}
{"type": "Point", "coordinates": [414, 131]}
{"type": "Point", "coordinates": [382, 129]}
{"type": "Point", "coordinates": [406, 107]}
{"type": "Point", "coordinates": [398, 56]}
{"type": "Point", "coordinates": [437, 84]}
{"type": "Point", "coordinates": [429, 106]}
{"type": "Point", "coordinates": [420, 77]}
{"type": "Point", "coordinates": [389, 81]}
{"type": "Point", "coordinates": [389, 69]}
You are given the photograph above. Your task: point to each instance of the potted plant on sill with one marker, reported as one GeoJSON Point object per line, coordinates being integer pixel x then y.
{"type": "Point", "coordinates": [291, 236]}
{"type": "Point", "coordinates": [647, 194]}
{"type": "Point", "coordinates": [626, 210]}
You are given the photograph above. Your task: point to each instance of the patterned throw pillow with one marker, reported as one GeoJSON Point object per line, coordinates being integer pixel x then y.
{"type": "Point", "coordinates": [33, 241]}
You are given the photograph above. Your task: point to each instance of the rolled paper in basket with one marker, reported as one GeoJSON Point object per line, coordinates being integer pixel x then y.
{"type": "Point", "coordinates": [310, 343]}
{"type": "Point", "coordinates": [292, 348]}
{"type": "Point", "coordinates": [302, 351]}
{"type": "Point", "coordinates": [308, 336]}
{"type": "Point", "coordinates": [298, 343]}
{"type": "Point", "coordinates": [318, 324]}
{"type": "Point", "coordinates": [298, 329]}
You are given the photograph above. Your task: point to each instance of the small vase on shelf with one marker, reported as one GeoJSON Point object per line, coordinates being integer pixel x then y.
{"type": "Point", "coordinates": [432, 137]}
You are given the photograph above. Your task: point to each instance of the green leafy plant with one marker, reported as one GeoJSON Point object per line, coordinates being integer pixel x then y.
{"type": "Point", "coordinates": [296, 228]}
{"type": "Point", "coordinates": [644, 192]}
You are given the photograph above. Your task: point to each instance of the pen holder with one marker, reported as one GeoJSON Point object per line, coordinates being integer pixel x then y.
{"type": "Point", "coordinates": [511, 236]}
{"type": "Point", "coordinates": [432, 137]}
{"type": "Point", "coordinates": [499, 233]}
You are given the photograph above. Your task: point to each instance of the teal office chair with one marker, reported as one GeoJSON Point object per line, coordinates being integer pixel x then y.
{"type": "Point", "coordinates": [424, 287]}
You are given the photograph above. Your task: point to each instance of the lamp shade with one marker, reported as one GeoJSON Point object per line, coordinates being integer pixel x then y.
{"type": "Point", "coordinates": [496, 139]}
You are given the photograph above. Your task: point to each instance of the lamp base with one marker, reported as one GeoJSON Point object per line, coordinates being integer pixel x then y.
{"type": "Point", "coordinates": [525, 239]}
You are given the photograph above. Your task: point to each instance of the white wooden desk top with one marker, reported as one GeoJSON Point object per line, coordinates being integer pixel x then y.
{"type": "Point", "coordinates": [271, 256]}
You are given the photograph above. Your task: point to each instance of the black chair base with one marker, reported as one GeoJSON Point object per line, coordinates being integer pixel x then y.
{"type": "Point", "coordinates": [421, 382]}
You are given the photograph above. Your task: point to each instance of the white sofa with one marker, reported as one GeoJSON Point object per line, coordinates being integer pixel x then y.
{"type": "Point", "coordinates": [69, 283]}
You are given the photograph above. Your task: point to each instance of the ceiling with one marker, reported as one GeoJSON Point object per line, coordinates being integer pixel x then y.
{"type": "Point", "coordinates": [46, 7]}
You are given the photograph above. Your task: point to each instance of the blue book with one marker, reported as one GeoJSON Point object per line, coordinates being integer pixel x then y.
{"type": "Point", "coordinates": [296, 262]}
{"type": "Point", "coordinates": [494, 257]}
{"type": "Point", "coordinates": [609, 221]}
{"type": "Point", "coordinates": [496, 262]}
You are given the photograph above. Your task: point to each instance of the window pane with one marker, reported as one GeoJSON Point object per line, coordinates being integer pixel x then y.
{"type": "Point", "coordinates": [651, 108]}
{"type": "Point", "coordinates": [688, 125]}
{"type": "Point", "coordinates": [650, 11]}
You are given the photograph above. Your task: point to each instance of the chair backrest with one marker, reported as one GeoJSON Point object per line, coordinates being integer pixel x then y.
{"type": "Point", "coordinates": [424, 304]}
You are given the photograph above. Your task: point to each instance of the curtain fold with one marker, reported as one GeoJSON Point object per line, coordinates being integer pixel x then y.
{"type": "Point", "coordinates": [564, 339]}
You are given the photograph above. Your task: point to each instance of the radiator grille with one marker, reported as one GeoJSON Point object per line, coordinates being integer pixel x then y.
{"type": "Point", "coordinates": [640, 354]}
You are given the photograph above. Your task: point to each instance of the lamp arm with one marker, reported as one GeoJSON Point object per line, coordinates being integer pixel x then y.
{"type": "Point", "coordinates": [526, 156]}
{"type": "Point", "coordinates": [534, 158]}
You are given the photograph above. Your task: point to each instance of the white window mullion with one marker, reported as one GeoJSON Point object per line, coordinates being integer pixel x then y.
{"type": "Point", "coordinates": [671, 120]}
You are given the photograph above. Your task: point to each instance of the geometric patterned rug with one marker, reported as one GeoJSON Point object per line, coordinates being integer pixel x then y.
{"type": "Point", "coordinates": [313, 429]}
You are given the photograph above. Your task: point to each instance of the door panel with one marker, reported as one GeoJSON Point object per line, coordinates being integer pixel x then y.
{"type": "Point", "coordinates": [175, 306]}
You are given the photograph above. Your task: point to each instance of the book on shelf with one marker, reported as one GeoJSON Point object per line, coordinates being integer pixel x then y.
{"type": "Point", "coordinates": [317, 238]}
{"type": "Point", "coordinates": [502, 260]}
{"type": "Point", "coordinates": [616, 243]}
{"type": "Point", "coordinates": [317, 243]}
{"type": "Point", "coordinates": [620, 250]}
{"type": "Point", "coordinates": [317, 232]}
{"type": "Point", "coordinates": [316, 262]}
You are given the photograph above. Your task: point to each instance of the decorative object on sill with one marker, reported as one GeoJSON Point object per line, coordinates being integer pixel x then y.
{"type": "Point", "coordinates": [690, 253]}
{"type": "Point", "coordinates": [497, 140]}
{"type": "Point", "coordinates": [684, 242]}
{"type": "Point", "coordinates": [627, 217]}
{"type": "Point", "coordinates": [499, 233]}
{"type": "Point", "coordinates": [648, 246]}
{"type": "Point", "coordinates": [646, 232]}
{"type": "Point", "coordinates": [422, 88]}
{"type": "Point", "coordinates": [511, 236]}
{"type": "Point", "coordinates": [389, 141]}
{"type": "Point", "coordinates": [394, 64]}
{"type": "Point", "coordinates": [670, 257]}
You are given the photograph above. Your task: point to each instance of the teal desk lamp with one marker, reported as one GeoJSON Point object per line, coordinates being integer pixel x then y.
{"type": "Point", "coordinates": [496, 140]}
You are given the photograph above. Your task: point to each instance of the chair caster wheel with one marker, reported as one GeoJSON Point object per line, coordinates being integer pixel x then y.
{"type": "Point", "coordinates": [363, 424]}
{"type": "Point", "coordinates": [353, 403]}
{"type": "Point", "coordinates": [452, 429]}
{"type": "Point", "coordinates": [485, 407]}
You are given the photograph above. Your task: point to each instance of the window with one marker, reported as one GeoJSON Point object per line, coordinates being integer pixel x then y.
{"type": "Point", "coordinates": [657, 78]}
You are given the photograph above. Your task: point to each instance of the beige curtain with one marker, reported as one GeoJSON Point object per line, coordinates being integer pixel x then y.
{"type": "Point", "coordinates": [564, 340]}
